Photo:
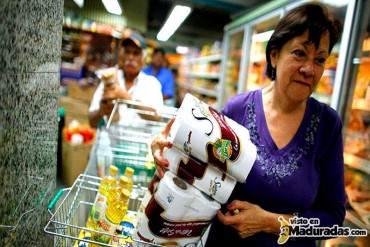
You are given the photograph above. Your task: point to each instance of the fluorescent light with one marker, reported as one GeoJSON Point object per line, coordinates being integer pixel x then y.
{"type": "Point", "coordinates": [182, 49]}
{"type": "Point", "coordinates": [177, 16]}
{"type": "Point", "coordinates": [80, 3]}
{"type": "Point", "coordinates": [112, 6]}
{"type": "Point", "coordinates": [336, 3]}
{"type": "Point", "coordinates": [262, 37]}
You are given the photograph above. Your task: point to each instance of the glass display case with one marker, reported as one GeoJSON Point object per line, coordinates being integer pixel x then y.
{"type": "Point", "coordinates": [357, 129]}
{"type": "Point", "coordinates": [233, 55]}
{"type": "Point", "coordinates": [261, 33]}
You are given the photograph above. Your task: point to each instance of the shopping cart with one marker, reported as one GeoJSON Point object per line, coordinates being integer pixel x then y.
{"type": "Point", "coordinates": [129, 147]}
{"type": "Point", "coordinates": [130, 138]}
{"type": "Point", "coordinates": [72, 211]}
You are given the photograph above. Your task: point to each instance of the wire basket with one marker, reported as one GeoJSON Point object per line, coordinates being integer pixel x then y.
{"type": "Point", "coordinates": [73, 206]}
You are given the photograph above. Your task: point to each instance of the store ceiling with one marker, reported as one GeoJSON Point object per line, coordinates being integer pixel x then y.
{"type": "Point", "coordinates": [204, 24]}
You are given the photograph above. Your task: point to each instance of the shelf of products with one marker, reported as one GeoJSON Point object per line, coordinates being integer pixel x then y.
{"type": "Point", "coordinates": [211, 76]}
{"type": "Point", "coordinates": [82, 49]}
{"type": "Point", "coordinates": [200, 90]}
{"type": "Point", "coordinates": [357, 163]}
{"type": "Point", "coordinates": [352, 217]}
{"type": "Point", "coordinates": [199, 74]}
{"type": "Point", "coordinates": [357, 146]}
{"type": "Point", "coordinates": [205, 59]}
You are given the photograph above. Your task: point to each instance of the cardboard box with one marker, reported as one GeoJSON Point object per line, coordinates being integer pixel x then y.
{"type": "Point", "coordinates": [81, 93]}
{"type": "Point", "coordinates": [74, 109]}
{"type": "Point", "coordinates": [74, 161]}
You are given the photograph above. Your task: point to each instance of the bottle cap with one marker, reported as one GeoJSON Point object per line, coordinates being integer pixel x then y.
{"type": "Point", "coordinates": [125, 193]}
{"type": "Point", "coordinates": [129, 171]}
{"type": "Point", "coordinates": [124, 181]}
{"type": "Point", "coordinates": [113, 170]}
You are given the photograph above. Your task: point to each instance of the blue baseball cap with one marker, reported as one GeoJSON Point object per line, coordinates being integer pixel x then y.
{"type": "Point", "coordinates": [134, 38]}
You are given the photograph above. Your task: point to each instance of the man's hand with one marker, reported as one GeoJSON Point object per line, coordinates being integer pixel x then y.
{"type": "Point", "coordinates": [106, 107]}
{"type": "Point", "coordinates": [115, 91]}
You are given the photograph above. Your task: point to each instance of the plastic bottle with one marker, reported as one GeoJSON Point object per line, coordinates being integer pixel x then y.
{"type": "Point", "coordinates": [129, 173]}
{"type": "Point", "coordinates": [107, 184]}
{"type": "Point", "coordinates": [114, 214]}
{"type": "Point", "coordinates": [104, 152]}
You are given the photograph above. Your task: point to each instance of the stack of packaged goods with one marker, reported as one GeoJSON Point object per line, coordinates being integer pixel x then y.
{"type": "Point", "coordinates": [109, 217]}
{"type": "Point", "coordinates": [210, 154]}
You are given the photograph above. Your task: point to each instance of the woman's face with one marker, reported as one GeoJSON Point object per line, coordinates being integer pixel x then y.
{"type": "Point", "coordinates": [299, 66]}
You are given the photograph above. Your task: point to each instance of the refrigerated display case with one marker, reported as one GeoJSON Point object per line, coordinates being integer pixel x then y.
{"type": "Point", "coordinates": [261, 32]}
{"type": "Point", "coordinates": [248, 36]}
{"type": "Point", "coordinates": [231, 63]}
{"type": "Point", "coordinates": [356, 115]}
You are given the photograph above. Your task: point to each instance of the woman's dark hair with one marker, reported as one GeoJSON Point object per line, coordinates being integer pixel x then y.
{"type": "Point", "coordinates": [312, 17]}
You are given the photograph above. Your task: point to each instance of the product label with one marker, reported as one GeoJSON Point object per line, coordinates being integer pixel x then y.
{"type": "Point", "coordinates": [226, 148]}
{"type": "Point", "coordinates": [222, 149]}
{"type": "Point", "coordinates": [99, 207]}
{"type": "Point", "coordinates": [214, 186]}
{"type": "Point", "coordinates": [165, 228]}
{"type": "Point", "coordinates": [194, 168]}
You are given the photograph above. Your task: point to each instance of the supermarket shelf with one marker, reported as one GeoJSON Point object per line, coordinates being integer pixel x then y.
{"type": "Point", "coordinates": [113, 33]}
{"type": "Point", "coordinates": [361, 104]}
{"type": "Point", "coordinates": [203, 75]}
{"type": "Point", "coordinates": [205, 59]}
{"type": "Point", "coordinates": [322, 97]}
{"type": "Point", "coordinates": [353, 218]}
{"type": "Point", "coordinates": [206, 92]}
{"type": "Point", "coordinates": [356, 162]}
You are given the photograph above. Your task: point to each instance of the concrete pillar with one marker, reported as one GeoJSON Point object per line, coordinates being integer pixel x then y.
{"type": "Point", "coordinates": [30, 44]}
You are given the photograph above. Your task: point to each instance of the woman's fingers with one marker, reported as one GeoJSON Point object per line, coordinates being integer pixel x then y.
{"type": "Point", "coordinates": [159, 159]}
{"type": "Point", "coordinates": [228, 219]}
{"type": "Point", "coordinates": [161, 171]}
{"type": "Point", "coordinates": [240, 205]}
{"type": "Point", "coordinates": [167, 129]}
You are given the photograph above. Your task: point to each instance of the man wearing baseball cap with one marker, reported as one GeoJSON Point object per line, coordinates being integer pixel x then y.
{"type": "Point", "coordinates": [126, 81]}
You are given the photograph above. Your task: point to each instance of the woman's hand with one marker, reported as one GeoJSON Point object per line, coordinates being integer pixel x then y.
{"type": "Point", "coordinates": [248, 219]}
{"type": "Point", "coordinates": [158, 145]}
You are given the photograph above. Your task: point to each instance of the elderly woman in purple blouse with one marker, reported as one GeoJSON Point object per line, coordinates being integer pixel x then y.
{"type": "Point", "coordinates": [299, 166]}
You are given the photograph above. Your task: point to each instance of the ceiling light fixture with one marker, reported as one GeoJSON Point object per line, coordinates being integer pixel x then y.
{"type": "Point", "coordinates": [80, 3]}
{"type": "Point", "coordinates": [177, 16]}
{"type": "Point", "coordinates": [112, 6]}
{"type": "Point", "coordinates": [336, 3]}
{"type": "Point", "coordinates": [182, 49]}
{"type": "Point", "coordinates": [262, 37]}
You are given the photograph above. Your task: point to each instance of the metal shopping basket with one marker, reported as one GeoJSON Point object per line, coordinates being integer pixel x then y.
{"type": "Point", "coordinates": [130, 139]}
{"type": "Point", "coordinates": [72, 211]}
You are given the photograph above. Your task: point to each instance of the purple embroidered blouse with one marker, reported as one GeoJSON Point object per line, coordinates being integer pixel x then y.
{"type": "Point", "coordinates": [304, 177]}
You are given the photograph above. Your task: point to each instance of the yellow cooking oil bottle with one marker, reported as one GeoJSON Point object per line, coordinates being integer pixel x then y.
{"type": "Point", "coordinates": [106, 186]}
{"type": "Point", "coordinates": [114, 214]}
{"type": "Point", "coordinates": [129, 182]}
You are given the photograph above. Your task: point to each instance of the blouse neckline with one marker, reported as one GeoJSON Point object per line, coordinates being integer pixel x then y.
{"type": "Point", "coordinates": [265, 132]}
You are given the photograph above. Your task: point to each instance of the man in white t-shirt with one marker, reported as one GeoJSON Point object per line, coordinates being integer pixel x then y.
{"type": "Point", "coordinates": [128, 82]}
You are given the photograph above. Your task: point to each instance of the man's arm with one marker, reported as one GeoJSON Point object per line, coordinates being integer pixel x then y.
{"type": "Point", "coordinates": [94, 118]}
{"type": "Point", "coordinates": [105, 109]}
